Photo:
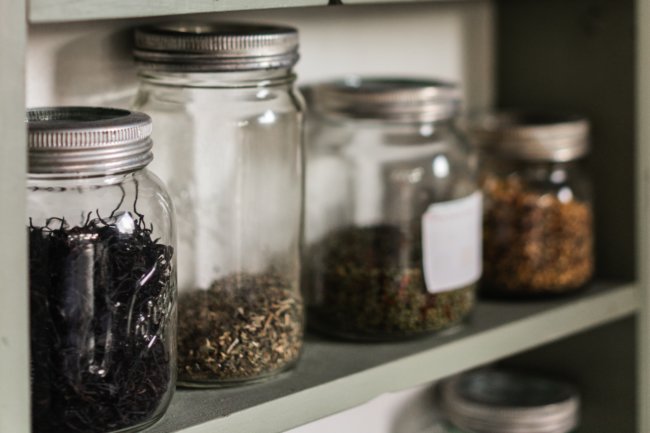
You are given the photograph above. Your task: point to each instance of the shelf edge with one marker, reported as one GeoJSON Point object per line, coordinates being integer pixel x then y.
{"type": "Point", "coordinates": [56, 11]}
{"type": "Point", "coordinates": [511, 338]}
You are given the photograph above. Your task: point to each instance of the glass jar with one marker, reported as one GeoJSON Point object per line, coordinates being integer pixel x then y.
{"type": "Point", "coordinates": [538, 224]}
{"type": "Point", "coordinates": [497, 401]}
{"type": "Point", "coordinates": [393, 237]}
{"type": "Point", "coordinates": [228, 138]}
{"type": "Point", "coordinates": [102, 273]}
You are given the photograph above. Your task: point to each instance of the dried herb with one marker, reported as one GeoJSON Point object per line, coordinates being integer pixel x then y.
{"type": "Point", "coordinates": [367, 282]}
{"type": "Point", "coordinates": [102, 303]}
{"type": "Point", "coordinates": [243, 327]}
{"type": "Point", "coordinates": [534, 243]}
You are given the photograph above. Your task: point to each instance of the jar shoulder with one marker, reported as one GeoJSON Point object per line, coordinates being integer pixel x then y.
{"type": "Point", "coordinates": [224, 101]}
{"type": "Point", "coordinates": [76, 201]}
{"type": "Point", "coordinates": [564, 180]}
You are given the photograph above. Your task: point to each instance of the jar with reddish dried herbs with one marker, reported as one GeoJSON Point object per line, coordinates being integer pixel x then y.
{"type": "Point", "coordinates": [538, 222]}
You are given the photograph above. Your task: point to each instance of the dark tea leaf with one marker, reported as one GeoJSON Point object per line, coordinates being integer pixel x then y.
{"type": "Point", "coordinates": [102, 298]}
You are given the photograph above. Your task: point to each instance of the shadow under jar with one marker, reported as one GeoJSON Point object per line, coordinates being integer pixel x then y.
{"type": "Point", "coordinates": [393, 232]}
{"type": "Point", "coordinates": [538, 223]}
{"type": "Point", "coordinates": [102, 273]}
{"type": "Point", "coordinates": [228, 137]}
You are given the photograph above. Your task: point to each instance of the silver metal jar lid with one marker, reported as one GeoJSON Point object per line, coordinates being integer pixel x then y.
{"type": "Point", "coordinates": [203, 47]}
{"type": "Point", "coordinates": [87, 141]}
{"type": "Point", "coordinates": [492, 401]}
{"type": "Point", "coordinates": [399, 99]}
{"type": "Point", "coordinates": [532, 136]}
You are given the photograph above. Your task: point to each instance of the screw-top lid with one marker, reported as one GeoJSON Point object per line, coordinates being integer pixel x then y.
{"type": "Point", "coordinates": [532, 136]}
{"type": "Point", "coordinates": [399, 99]}
{"type": "Point", "coordinates": [87, 141]}
{"type": "Point", "coordinates": [217, 47]}
{"type": "Point", "coordinates": [492, 401]}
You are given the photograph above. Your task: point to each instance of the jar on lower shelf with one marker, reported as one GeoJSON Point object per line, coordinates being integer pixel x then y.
{"type": "Point", "coordinates": [393, 211]}
{"type": "Point", "coordinates": [102, 273]}
{"type": "Point", "coordinates": [538, 232]}
{"type": "Point", "coordinates": [445, 427]}
{"type": "Point", "coordinates": [498, 401]}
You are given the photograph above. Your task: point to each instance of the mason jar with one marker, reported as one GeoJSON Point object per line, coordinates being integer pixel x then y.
{"type": "Point", "coordinates": [497, 401]}
{"type": "Point", "coordinates": [228, 137]}
{"type": "Point", "coordinates": [538, 225]}
{"type": "Point", "coordinates": [393, 210]}
{"type": "Point", "coordinates": [102, 272]}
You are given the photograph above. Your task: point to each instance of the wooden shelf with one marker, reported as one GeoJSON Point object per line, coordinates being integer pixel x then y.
{"type": "Point", "coordinates": [50, 11]}
{"type": "Point", "coordinates": [58, 11]}
{"type": "Point", "coordinates": [333, 376]}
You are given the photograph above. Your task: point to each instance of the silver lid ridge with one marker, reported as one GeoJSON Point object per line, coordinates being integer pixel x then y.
{"type": "Point", "coordinates": [87, 141]}
{"type": "Point", "coordinates": [215, 47]}
{"type": "Point", "coordinates": [493, 401]}
{"type": "Point", "coordinates": [397, 99]}
{"type": "Point", "coordinates": [532, 136]}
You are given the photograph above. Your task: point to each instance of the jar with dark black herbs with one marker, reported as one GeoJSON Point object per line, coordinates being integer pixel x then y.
{"type": "Point", "coordinates": [229, 146]}
{"type": "Point", "coordinates": [393, 210]}
{"type": "Point", "coordinates": [102, 274]}
{"type": "Point", "coordinates": [538, 223]}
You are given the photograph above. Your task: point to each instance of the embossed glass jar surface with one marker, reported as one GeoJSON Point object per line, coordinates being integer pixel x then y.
{"type": "Point", "coordinates": [102, 274]}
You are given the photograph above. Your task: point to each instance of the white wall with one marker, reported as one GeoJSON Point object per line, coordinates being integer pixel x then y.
{"type": "Point", "coordinates": [90, 63]}
{"type": "Point", "coordinates": [408, 411]}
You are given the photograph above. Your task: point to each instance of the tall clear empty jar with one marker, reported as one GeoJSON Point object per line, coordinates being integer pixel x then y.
{"type": "Point", "coordinates": [101, 273]}
{"type": "Point", "coordinates": [393, 210]}
{"type": "Point", "coordinates": [228, 133]}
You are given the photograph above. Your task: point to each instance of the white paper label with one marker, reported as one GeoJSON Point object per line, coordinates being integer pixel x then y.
{"type": "Point", "coordinates": [451, 243]}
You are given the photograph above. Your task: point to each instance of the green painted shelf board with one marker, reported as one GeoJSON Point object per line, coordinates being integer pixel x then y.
{"type": "Point", "coordinates": [333, 376]}
{"type": "Point", "coordinates": [51, 11]}
{"type": "Point", "coordinates": [354, 2]}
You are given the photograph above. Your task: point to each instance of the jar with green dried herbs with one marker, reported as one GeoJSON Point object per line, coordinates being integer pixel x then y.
{"type": "Point", "coordinates": [538, 223]}
{"type": "Point", "coordinates": [399, 252]}
{"type": "Point", "coordinates": [229, 142]}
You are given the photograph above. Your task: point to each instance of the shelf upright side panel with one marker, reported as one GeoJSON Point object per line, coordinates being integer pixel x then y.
{"type": "Point", "coordinates": [14, 331]}
{"type": "Point", "coordinates": [579, 56]}
{"type": "Point", "coordinates": [41, 11]}
{"type": "Point", "coordinates": [643, 208]}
